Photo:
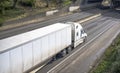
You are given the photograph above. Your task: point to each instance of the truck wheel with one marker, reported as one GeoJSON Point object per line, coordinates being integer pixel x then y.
{"type": "Point", "coordinates": [85, 39]}
{"type": "Point", "coordinates": [69, 49]}
{"type": "Point", "coordinates": [63, 53]}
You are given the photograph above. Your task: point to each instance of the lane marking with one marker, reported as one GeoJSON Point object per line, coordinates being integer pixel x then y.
{"type": "Point", "coordinates": [89, 18]}
{"type": "Point", "coordinates": [35, 70]}
{"type": "Point", "coordinates": [38, 20]}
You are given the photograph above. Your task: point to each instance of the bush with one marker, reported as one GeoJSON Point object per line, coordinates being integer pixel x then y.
{"type": "Point", "coordinates": [111, 60]}
{"type": "Point", "coordinates": [30, 3]}
{"type": "Point", "coordinates": [102, 67]}
{"type": "Point", "coordinates": [3, 5]}
{"type": "Point", "coordinates": [1, 21]}
{"type": "Point", "coordinates": [67, 2]}
{"type": "Point", "coordinates": [115, 67]}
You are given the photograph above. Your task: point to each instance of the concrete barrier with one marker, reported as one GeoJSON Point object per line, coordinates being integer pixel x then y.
{"type": "Point", "coordinates": [51, 12]}
{"type": "Point", "coordinates": [118, 8]}
{"type": "Point", "coordinates": [73, 8]}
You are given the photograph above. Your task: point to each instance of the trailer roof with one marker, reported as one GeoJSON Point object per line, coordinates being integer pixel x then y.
{"type": "Point", "coordinates": [17, 40]}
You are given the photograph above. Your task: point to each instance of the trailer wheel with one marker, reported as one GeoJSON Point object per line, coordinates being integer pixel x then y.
{"type": "Point", "coordinates": [54, 58]}
{"type": "Point", "coordinates": [63, 52]}
{"type": "Point", "coordinates": [69, 49]}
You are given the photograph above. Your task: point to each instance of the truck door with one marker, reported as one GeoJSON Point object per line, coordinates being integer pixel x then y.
{"type": "Point", "coordinates": [78, 35]}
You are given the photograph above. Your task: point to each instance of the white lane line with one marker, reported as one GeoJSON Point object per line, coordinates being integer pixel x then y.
{"type": "Point", "coordinates": [35, 70]}
{"type": "Point", "coordinates": [84, 20]}
{"type": "Point", "coordinates": [89, 18]}
{"type": "Point", "coordinates": [78, 50]}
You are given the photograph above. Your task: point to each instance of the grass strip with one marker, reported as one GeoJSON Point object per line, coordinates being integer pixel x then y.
{"type": "Point", "coordinates": [110, 62]}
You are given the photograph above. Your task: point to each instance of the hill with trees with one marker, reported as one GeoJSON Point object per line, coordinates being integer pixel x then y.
{"type": "Point", "coordinates": [13, 8]}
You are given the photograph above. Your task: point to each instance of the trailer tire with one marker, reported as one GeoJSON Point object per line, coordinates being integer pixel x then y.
{"type": "Point", "coordinates": [63, 52]}
{"type": "Point", "coordinates": [54, 58]}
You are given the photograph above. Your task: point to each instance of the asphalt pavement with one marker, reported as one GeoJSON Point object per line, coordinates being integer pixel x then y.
{"type": "Point", "coordinates": [25, 28]}
{"type": "Point", "coordinates": [85, 61]}
{"type": "Point", "coordinates": [87, 55]}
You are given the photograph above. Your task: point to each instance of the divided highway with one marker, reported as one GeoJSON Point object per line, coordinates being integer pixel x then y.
{"type": "Point", "coordinates": [15, 31]}
{"type": "Point", "coordinates": [71, 17]}
{"type": "Point", "coordinates": [99, 28]}
{"type": "Point", "coordinates": [92, 51]}
{"type": "Point", "coordinates": [80, 60]}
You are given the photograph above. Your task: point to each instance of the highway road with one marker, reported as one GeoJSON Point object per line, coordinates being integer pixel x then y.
{"type": "Point", "coordinates": [70, 17]}
{"type": "Point", "coordinates": [15, 31]}
{"type": "Point", "coordinates": [93, 51]}
{"type": "Point", "coordinates": [80, 60]}
{"type": "Point", "coordinates": [101, 31]}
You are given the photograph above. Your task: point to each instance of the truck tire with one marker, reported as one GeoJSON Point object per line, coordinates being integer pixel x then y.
{"type": "Point", "coordinates": [69, 49]}
{"type": "Point", "coordinates": [85, 39]}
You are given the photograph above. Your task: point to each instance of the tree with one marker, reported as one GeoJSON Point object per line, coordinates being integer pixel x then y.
{"type": "Point", "coordinates": [47, 3]}
{"type": "Point", "coordinates": [14, 3]}
{"type": "Point", "coordinates": [73, 1]}
{"type": "Point", "coordinates": [3, 4]}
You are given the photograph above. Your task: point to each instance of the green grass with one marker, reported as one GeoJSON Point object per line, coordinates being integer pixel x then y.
{"type": "Point", "coordinates": [67, 2]}
{"type": "Point", "coordinates": [1, 21]}
{"type": "Point", "coordinates": [10, 13]}
{"type": "Point", "coordinates": [111, 59]}
{"type": "Point", "coordinates": [21, 11]}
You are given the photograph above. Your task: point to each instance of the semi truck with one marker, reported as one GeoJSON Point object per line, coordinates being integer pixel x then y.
{"type": "Point", "coordinates": [22, 52]}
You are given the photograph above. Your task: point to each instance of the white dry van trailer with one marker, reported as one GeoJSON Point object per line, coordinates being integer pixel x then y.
{"type": "Point", "coordinates": [23, 52]}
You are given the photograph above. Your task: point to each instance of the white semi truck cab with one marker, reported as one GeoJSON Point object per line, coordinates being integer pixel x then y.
{"type": "Point", "coordinates": [78, 34]}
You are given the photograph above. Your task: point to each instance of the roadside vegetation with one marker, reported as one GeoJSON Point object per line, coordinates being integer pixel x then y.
{"type": "Point", "coordinates": [110, 62]}
{"type": "Point", "coordinates": [14, 8]}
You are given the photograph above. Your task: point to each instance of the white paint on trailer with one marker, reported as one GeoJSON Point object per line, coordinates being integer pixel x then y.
{"type": "Point", "coordinates": [5, 63]}
{"type": "Point", "coordinates": [69, 36]}
{"type": "Point", "coordinates": [63, 38]}
{"type": "Point", "coordinates": [37, 52]}
{"type": "Point", "coordinates": [52, 43]}
{"type": "Point", "coordinates": [58, 40]}
{"type": "Point", "coordinates": [29, 36]}
{"type": "Point", "coordinates": [27, 56]}
{"type": "Point", "coordinates": [44, 48]}
{"type": "Point", "coordinates": [16, 60]}
{"type": "Point", "coordinates": [31, 48]}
